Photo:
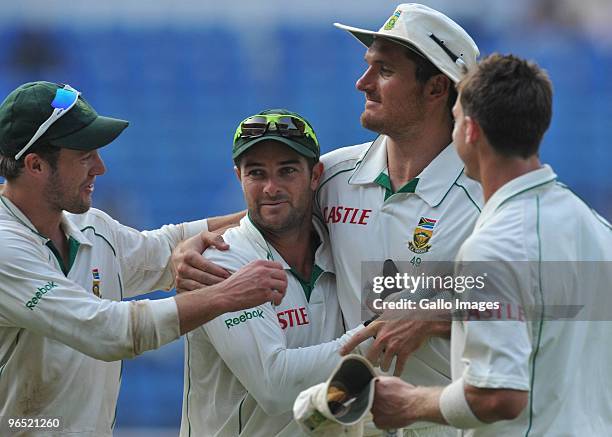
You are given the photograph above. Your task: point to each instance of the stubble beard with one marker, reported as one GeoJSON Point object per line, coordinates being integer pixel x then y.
{"type": "Point", "coordinates": [396, 126]}
{"type": "Point", "coordinates": [291, 223]}
{"type": "Point", "coordinates": [372, 125]}
{"type": "Point", "coordinates": [390, 128]}
{"type": "Point", "coordinates": [59, 199]}
{"type": "Point", "coordinates": [294, 220]}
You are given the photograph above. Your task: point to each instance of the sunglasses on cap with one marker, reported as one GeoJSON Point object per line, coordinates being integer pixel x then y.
{"type": "Point", "coordinates": [456, 59]}
{"type": "Point", "coordinates": [64, 101]}
{"type": "Point", "coordinates": [289, 126]}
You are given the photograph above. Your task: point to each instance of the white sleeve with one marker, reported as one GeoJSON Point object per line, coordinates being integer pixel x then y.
{"type": "Point", "coordinates": [253, 346]}
{"type": "Point", "coordinates": [144, 257]}
{"type": "Point", "coordinates": [36, 297]}
{"type": "Point", "coordinates": [497, 354]}
{"type": "Point", "coordinates": [497, 344]}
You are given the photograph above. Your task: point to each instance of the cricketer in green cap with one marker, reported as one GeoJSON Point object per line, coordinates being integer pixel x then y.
{"type": "Point", "coordinates": [276, 153]}
{"type": "Point", "coordinates": [65, 267]}
{"type": "Point", "coordinates": [44, 113]}
{"type": "Point", "coordinates": [280, 125]}
{"type": "Point", "coordinates": [49, 136]}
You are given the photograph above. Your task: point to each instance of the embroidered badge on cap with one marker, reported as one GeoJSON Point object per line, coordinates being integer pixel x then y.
{"type": "Point", "coordinates": [392, 20]}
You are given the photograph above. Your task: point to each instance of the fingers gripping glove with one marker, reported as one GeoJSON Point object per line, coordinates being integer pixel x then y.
{"type": "Point", "coordinates": [338, 406]}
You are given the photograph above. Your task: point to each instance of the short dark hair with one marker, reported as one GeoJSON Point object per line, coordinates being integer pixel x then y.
{"type": "Point", "coordinates": [10, 168]}
{"type": "Point", "coordinates": [511, 99]}
{"type": "Point", "coordinates": [311, 161]}
{"type": "Point", "coordinates": [425, 70]}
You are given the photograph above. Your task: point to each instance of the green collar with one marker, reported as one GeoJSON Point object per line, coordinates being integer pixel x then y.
{"type": "Point", "coordinates": [317, 271]}
{"type": "Point", "coordinates": [384, 181]}
{"type": "Point", "coordinates": [435, 181]}
{"type": "Point", "coordinates": [73, 248]}
{"type": "Point", "coordinates": [308, 286]}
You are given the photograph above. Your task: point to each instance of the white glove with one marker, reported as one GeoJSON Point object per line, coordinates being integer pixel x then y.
{"type": "Point", "coordinates": [319, 414]}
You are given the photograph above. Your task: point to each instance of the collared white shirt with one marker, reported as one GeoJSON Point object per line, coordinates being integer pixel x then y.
{"type": "Point", "coordinates": [243, 370]}
{"type": "Point", "coordinates": [368, 222]}
{"type": "Point", "coordinates": [59, 341]}
{"type": "Point", "coordinates": [534, 226]}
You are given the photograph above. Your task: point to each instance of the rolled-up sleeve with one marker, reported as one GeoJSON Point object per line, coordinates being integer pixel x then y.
{"type": "Point", "coordinates": [40, 299]}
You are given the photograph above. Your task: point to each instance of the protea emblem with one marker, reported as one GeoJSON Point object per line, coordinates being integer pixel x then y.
{"type": "Point", "coordinates": [422, 235]}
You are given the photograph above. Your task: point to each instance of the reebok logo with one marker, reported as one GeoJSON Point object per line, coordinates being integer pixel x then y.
{"type": "Point", "coordinates": [245, 316]}
{"type": "Point", "coordinates": [40, 292]}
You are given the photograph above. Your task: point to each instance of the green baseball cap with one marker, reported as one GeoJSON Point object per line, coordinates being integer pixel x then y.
{"type": "Point", "coordinates": [300, 135]}
{"type": "Point", "coordinates": [28, 106]}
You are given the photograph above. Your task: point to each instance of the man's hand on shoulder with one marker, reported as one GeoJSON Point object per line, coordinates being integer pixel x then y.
{"type": "Point", "coordinates": [191, 269]}
{"type": "Point", "coordinates": [254, 284]}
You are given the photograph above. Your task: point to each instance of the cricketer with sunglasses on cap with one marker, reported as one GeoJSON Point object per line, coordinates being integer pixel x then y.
{"type": "Point", "coordinates": [243, 370]}
{"type": "Point", "coordinates": [65, 267]}
{"type": "Point", "coordinates": [375, 198]}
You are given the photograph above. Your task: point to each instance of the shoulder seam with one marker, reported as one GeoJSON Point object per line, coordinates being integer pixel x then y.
{"type": "Point", "coordinates": [240, 413]}
{"type": "Point", "coordinates": [539, 338]}
{"type": "Point", "coordinates": [19, 219]}
{"type": "Point", "coordinates": [449, 189]}
{"type": "Point", "coordinates": [597, 216]}
{"type": "Point", "coordinates": [468, 195]}
{"type": "Point", "coordinates": [344, 163]}
{"type": "Point", "coordinates": [318, 191]}
{"type": "Point", "coordinates": [524, 191]}
{"type": "Point", "coordinates": [188, 352]}
{"type": "Point", "coordinates": [101, 236]}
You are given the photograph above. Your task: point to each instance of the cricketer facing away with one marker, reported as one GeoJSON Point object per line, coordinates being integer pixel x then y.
{"type": "Point", "coordinates": [65, 267]}
{"type": "Point", "coordinates": [520, 377]}
{"type": "Point", "coordinates": [243, 370]}
{"type": "Point", "coordinates": [377, 198]}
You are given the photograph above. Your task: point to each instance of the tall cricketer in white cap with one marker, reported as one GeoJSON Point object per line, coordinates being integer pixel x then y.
{"type": "Point", "coordinates": [409, 181]}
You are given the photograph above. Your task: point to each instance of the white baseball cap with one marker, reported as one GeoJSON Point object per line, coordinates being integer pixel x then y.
{"type": "Point", "coordinates": [428, 32]}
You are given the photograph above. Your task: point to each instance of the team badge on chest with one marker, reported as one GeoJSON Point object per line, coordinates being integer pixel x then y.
{"type": "Point", "coordinates": [422, 235]}
{"type": "Point", "coordinates": [95, 287]}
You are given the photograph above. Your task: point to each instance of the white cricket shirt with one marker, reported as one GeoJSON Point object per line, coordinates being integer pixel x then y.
{"type": "Point", "coordinates": [368, 222]}
{"type": "Point", "coordinates": [59, 341]}
{"type": "Point", "coordinates": [243, 370]}
{"type": "Point", "coordinates": [565, 366]}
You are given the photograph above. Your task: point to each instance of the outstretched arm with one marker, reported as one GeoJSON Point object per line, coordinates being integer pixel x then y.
{"type": "Point", "coordinates": [398, 404]}
{"type": "Point", "coordinates": [258, 282]}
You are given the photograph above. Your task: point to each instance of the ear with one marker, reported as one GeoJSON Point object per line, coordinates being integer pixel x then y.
{"type": "Point", "coordinates": [438, 87]}
{"type": "Point", "coordinates": [473, 133]}
{"type": "Point", "coordinates": [238, 173]}
{"type": "Point", "coordinates": [315, 178]}
{"type": "Point", "coordinates": [34, 164]}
